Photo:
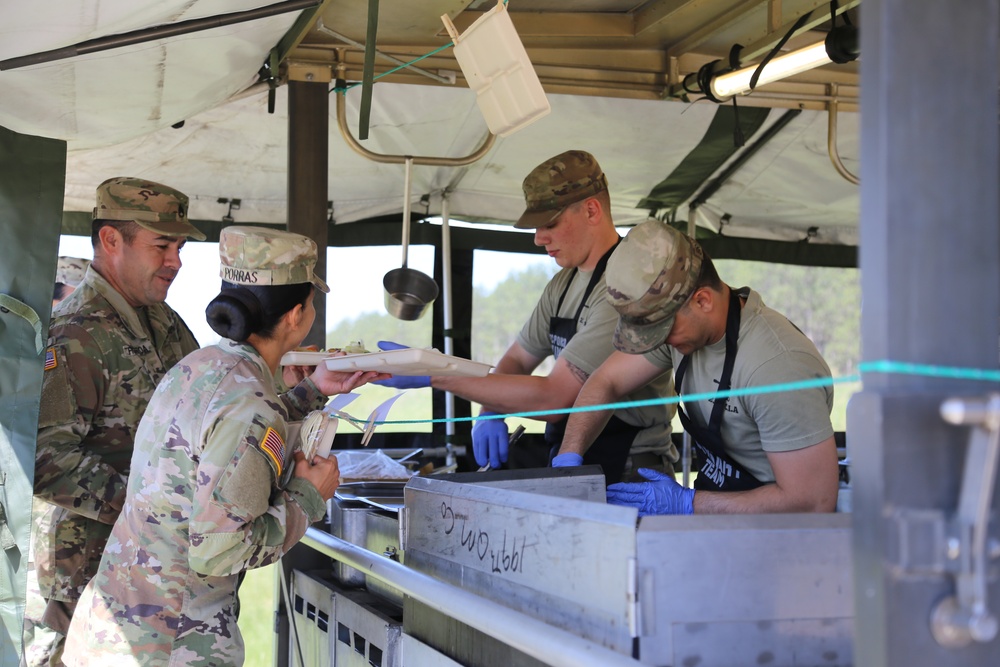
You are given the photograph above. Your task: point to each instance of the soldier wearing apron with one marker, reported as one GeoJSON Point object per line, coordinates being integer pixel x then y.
{"type": "Point", "coordinates": [760, 451]}
{"type": "Point", "coordinates": [569, 209]}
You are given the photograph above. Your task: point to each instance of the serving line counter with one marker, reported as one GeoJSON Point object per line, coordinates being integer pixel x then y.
{"type": "Point", "coordinates": [533, 568]}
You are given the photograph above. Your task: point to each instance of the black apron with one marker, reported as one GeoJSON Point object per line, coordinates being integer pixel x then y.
{"type": "Point", "coordinates": [718, 472]}
{"type": "Point", "coordinates": [610, 449]}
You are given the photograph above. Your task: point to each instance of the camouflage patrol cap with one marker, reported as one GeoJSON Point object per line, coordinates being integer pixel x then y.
{"type": "Point", "coordinates": [262, 256]}
{"type": "Point", "coordinates": [70, 270]}
{"type": "Point", "coordinates": [649, 277]}
{"type": "Point", "coordinates": [153, 206]}
{"type": "Point", "coordinates": [558, 182]}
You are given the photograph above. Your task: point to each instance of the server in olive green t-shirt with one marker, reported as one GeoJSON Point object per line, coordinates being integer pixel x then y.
{"type": "Point", "coordinates": [569, 208]}
{"type": "Point", "coordinates": [759, 451]}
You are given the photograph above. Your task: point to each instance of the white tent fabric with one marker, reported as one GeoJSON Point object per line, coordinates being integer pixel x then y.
{"type": "Point", "coordinates": [238, 150]}
{"type": "Point", "coordinates": [107, 97]}
{"type": "Point", "coordinates": [116, 108]}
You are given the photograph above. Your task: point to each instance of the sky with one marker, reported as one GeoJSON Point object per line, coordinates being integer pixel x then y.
{"type": "Point", "coordinates": [197, 283]}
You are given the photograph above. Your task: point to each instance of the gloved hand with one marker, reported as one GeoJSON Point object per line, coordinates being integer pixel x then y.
{"type": "Point", "coordinates": [402, 381]}
{"type": "Point", "coordinates": [567, 460]}
{"type": "Point", "coordinates": [490, 440]}
{"type": "Point", "coordinates": [660, 495]}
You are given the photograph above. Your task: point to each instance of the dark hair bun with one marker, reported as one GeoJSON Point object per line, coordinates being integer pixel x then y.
{"type": "Point", "coordinates": [235, 314]}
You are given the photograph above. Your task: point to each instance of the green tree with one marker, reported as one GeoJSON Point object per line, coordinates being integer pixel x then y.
{"type": "Point", "coordinates": [499, 314]}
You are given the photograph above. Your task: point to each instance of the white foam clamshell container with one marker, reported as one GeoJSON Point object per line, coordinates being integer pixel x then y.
{"type": "Point", "coordinates": [497, 68]}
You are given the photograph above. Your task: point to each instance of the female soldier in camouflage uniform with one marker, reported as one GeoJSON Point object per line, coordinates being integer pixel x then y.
{"type": "Point", "coordinates": [215, 490]}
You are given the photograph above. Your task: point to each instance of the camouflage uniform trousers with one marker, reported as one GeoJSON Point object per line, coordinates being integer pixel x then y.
{"type": "Point", "coordinates": [43, 634]}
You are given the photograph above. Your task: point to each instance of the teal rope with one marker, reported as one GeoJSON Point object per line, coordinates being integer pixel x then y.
{"type": "Point", "coordinates": [404, 65]}
{"type": "Point", "coordinates": [883, 366]}
{"type": "Point", "coordinates": [927, 370]}
{"type": "Point", "coordinates": [344, 89]}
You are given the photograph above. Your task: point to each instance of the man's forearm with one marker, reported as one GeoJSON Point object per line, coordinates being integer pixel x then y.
{"type": "Point", "coordinates": [582, 428]}
{"type": "Point", "coordinates": [767, 499]}
{"type": "Point", "coordinates": [504, 394]}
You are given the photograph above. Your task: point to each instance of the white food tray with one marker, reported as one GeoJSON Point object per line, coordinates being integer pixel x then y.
{"type": "Point", "coordinates": [409, 361]}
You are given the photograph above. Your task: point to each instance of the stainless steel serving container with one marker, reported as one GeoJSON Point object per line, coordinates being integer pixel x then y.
{"type": "Point", "coordinates": [347, 521]}
{"type": "Point", "coordinates": [382, 537]}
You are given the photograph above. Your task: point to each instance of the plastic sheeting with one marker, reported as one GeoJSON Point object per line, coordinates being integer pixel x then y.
{"type": "Point", "coordinates": [31, 185]}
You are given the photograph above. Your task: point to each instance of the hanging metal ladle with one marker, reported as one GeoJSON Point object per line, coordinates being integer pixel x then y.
{"type": "Point", "coordinates": [408, 292]}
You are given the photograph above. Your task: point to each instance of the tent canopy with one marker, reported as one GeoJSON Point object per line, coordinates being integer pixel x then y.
{"type": "Point", "coordinates": [613, 71]}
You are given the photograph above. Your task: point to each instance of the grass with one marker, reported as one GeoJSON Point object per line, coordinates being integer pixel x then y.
{"type": "Point", "coordinates": [257, 616]}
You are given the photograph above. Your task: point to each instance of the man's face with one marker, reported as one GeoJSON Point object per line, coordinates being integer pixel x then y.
{"type": "Point", "coordinates": [148, 266]}
{"type": "Point", "coordinates": [691, 330]}
{"type": "Point", "coordinates": [565, 238]}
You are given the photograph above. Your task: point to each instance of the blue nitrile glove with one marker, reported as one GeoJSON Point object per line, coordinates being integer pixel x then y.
{"type": "Point", "coordinates": [490, 440]}
{"type": "Point", "coordinates": [402, 381]}
{"type": "Point", "coordinates": [567, 460]}
{"type": "Point", "coordinates": [660, 495]}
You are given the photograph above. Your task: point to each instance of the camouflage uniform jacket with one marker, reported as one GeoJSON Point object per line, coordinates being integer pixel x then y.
{"type": "Point", "coordinates": [102, 365]}
{"type": "Point", "coordinates": [204, 503]}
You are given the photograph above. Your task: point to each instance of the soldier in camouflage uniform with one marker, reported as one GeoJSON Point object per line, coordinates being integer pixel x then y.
{"type": "Point", "coordinates": [69, 274]}
{"type": "Point", "coordinates": [215, 490]}
{"type": "Point", "coordinates": [110, 342]}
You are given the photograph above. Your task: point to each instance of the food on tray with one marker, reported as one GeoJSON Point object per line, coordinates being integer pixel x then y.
{"type": "Point", "coordinates": [353, 347]}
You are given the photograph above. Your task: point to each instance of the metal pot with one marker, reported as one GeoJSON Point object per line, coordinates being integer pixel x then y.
{"type": "Point", "coordinates": [408, 292]}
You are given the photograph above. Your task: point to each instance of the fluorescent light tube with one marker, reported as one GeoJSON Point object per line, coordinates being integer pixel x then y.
{"type": "Point", "coordinates": [789, 64]}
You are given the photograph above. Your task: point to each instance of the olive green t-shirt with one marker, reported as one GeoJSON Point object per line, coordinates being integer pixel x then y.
{"type": "Point", "coordinates": [771, 351]}
{"type": "Point", "coordinates": [591, 345]}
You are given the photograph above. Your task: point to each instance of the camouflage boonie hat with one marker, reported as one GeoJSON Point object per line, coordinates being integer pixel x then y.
{"type": "Point", "coordinates": [558, 182]}
{"type": "Point", "coordinates": [153, 206]}
{"type": "Point", "coordinates": [650, 275]}
{"type": "Point", "coordinates": [70, 270]}
{"type": "Point", "coordinates": [262, 256]}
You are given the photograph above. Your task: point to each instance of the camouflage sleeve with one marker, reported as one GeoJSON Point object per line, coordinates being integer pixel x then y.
{"type": "Point", "coordinates": [67, 473]}
{"type": "Point", "coordinates": [302, 399]}
{"type": "Point", "coordinates": [240, 520]}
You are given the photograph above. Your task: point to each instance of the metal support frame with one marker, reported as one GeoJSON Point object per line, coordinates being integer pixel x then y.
{"type": "Point", "coordinates": [308, 172]}
{"type": "Point", "coordinates": [966, 617]}
{"type": "Point", "coordinates": [385, 158]}
{"type": "Point", "coordinates": [832, 109]}
{"type": "Point", "coordinates": [448, 323]}
{"type": "Point", "coordinates": [930, 275]}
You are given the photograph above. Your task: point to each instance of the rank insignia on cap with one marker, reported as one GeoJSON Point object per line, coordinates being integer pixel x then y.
{"type": "Point", "coordinates": [274, 447]}
{"type": "Point", "coordinates": [50, 359]}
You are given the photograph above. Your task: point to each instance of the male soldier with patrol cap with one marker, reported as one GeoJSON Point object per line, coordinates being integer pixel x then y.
{"type": "Point", "coordinates": [69, 274]}
{"type": "Point", "coordinates": [110, 342]}
{"type": "Point", "coordinates": [759, 451]}
{"type": "Point", "coordinates": [569, 207]}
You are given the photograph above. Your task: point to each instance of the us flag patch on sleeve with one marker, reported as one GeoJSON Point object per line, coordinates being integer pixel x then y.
{"type": "Point", "coordinates": [274, 447]}
{"type": "Point", "coordinates": [50, 359]}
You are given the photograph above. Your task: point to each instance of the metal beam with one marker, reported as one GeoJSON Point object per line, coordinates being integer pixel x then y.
{"type": "Point", "coordinates": [659, 11]}
{"type": "Point", "coordinates": [707, 29]}
{"type": "Point", "coordinates": [308, 168]}
{"type": "Point", "coordinates": [930, 276]}
{"type": "Point", "coordinates": [757, 49]}
{"type": "Point", "coordinates": [559, 24]}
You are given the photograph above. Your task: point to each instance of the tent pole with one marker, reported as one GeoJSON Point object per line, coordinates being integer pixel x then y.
{"type": "Point", "coordinates": [449, 337]}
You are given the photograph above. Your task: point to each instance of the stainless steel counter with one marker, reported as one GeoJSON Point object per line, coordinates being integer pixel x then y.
{"type": "Point", "coordinates": [666, 591]}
